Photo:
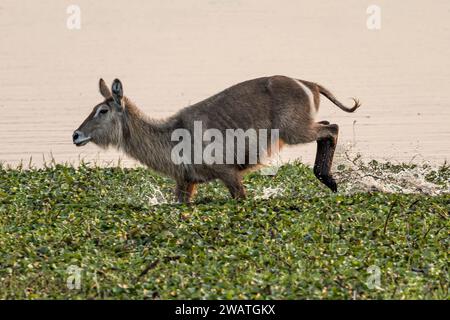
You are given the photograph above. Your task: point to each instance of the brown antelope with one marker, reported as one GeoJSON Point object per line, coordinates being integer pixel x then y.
{"type": "Point", "coordinates": [277, 102]}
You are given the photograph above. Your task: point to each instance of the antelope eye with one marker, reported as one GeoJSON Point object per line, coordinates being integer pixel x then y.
{"type": "Point", "coordinates": [103, 111]}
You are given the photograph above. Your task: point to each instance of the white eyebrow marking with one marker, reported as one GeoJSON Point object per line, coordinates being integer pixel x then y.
{"type": "Point", "coordinates": [98, 111]}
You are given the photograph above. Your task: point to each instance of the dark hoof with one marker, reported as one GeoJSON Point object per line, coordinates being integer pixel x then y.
{"type": "Point", "coordinates": [329, 182]}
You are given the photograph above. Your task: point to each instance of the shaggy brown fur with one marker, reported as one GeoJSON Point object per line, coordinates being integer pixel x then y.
{"type": "Point", "coordinates": [276, 102]}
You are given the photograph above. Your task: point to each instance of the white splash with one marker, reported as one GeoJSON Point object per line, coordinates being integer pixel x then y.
{"type": "Point", "coordinates": [356, 175]}
{"type": "Point", "coordinates": [270, 192]}
{"type": "Point", "coordinates": [156, 197]}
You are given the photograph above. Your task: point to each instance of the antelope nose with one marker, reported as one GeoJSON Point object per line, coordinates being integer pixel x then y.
{"type": "Point", "coordinates": [75, 136]}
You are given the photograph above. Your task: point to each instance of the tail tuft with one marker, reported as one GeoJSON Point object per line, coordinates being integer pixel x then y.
{"type": "Point", "coordinates": [356, 105]}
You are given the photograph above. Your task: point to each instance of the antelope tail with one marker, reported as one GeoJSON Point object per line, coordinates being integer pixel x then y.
{"type": "Point", "coordinates": [333, 99]}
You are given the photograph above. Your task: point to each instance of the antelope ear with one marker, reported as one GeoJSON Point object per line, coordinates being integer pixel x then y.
{"type": "Point", "coordinates": [117, 91]}
{"type": "Point", "coordinates": [104, 90]}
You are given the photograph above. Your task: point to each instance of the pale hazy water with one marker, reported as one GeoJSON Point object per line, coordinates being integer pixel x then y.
{"type": "Point", "coordinates": [170, 54]}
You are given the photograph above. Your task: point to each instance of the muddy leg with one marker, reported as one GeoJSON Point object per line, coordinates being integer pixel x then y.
{"type": "Point", "coordinates": [326, 144]}
{"type": "Point", "coordinates": [184, 191]}
{"type": "Point", "coordinates": [233, 182]}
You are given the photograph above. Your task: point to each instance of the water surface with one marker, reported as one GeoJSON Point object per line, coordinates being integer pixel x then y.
{"type": "Point", "coordinates": [170, 54]}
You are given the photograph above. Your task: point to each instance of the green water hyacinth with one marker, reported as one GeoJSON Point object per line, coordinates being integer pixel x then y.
{"type": "Point", "coordinates": [115, 233]}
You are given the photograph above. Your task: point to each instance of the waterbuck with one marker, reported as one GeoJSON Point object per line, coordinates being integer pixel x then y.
{"type": "Point", "coordinates": [269, 103]}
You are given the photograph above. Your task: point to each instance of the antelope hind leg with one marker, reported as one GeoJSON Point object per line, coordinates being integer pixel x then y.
{"type": "Point", "coordinates": [184, 191]}
{"type": "Point", "coordinates": [326, 145]}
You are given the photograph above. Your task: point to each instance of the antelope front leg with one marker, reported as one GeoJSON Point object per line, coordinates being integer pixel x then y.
{"type": "Point", "coordinates": [233, 182]}
{"type": "Point", "coordinates": [184, 191]}
{"type": "Point", "coordinates": [326, 145]}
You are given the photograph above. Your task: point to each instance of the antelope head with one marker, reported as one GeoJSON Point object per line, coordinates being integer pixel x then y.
{"type": "Point", "coordinates": [103, 126]}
